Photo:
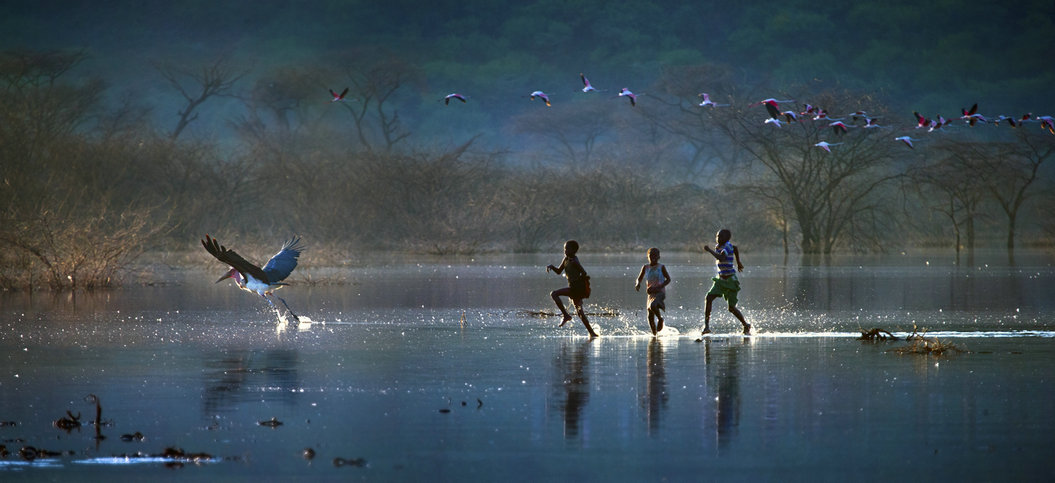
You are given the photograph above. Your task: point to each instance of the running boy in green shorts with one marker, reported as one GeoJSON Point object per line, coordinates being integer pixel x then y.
{"type": "Point", "coordinates": [726, 285]}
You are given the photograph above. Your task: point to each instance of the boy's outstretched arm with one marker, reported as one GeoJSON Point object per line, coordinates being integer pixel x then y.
{"type": "Point", "coordinates": [557, 270]}
{"type": "Point", "coordinates": [637, 286]}
{"type": "Point", "coordinates": [736, 254]}
{"type": "Point", "coordinates": [708, 249]}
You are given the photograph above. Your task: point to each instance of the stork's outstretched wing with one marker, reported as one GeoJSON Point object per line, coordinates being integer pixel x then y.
{"type": "Point", "coordinates": [235, 260]}
{"type": "Point", "coordinates": [283, 263]}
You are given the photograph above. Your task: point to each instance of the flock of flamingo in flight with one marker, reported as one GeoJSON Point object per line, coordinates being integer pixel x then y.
{"type": "Point", "coordinates": [780, 118]}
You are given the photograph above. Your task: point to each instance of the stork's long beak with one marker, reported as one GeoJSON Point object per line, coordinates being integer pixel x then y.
{"type": "Point", "coordinates": [225, 277]}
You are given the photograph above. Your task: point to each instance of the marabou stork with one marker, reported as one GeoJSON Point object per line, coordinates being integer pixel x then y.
{"type": "Point", "coordinates": [251, 278]}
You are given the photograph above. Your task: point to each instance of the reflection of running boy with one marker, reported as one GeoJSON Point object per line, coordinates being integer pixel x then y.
{"type": "Point", "coordinates": [726, 284]}
{"type": "Point", "coordinates": [578, 285]}
{"type": "Point", "coordinates": [656, 280]}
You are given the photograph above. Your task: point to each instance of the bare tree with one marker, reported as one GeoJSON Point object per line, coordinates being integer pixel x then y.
{"type": "Point", "coordinates": [198, 84]}
{"type": "Point", "coordinates": [572, 128]}
{"type": "Point", "coordinates": [954, 185]}
{"type": "Point", "coordinates": [376, 78]}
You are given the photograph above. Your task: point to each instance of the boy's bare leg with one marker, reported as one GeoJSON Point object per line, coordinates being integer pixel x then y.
{"type": "Point", "coordinates": [739, 316]}
{"type": "Point", "coordinates": [560, 305]}
{"type": "Point", "coordinates": [651, 321]}
{"type": "Point", "coordinates": [707, 314]}
{"type": "Point", "coordinates": [582, 315]}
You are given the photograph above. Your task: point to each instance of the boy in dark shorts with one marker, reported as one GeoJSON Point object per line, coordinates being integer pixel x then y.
{"type": "Point", "coordinates": [726, 285]}
{"type": "Point", "coordinates": [578, 285]}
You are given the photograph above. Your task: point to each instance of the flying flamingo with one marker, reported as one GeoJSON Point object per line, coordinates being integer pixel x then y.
{"type": "Point", "coordinates": [540, 95]}
{"type": "Point", "coordinates": [838, 127]}
{"type": "Point", "coordinates": [938, 123]}
{"type": "Point", "coordinates": [822, 115]}
{"type": "Point", "coordinates": [626, 93]}
{"type": "Point", "coordinates": [251, 278]}
{"type": "Point", "coordinates": [447, 99]}
{"type": "Point", "coordinates": [790, 116]}
{"type": "Point", "coordinates": [971, 115]}
{"type": "Point", "coordinates": [920, 120]}
{"type": "Point", "coordinates": [826, 146]}
{"type": "Point", "coordinates": [1046, 122]}
{"type": "Point", "coordinates": [871, 123]}
{"type": "Point", "coordinates": [907, 140]}
{"type": "Point", "coordinates": [854, 116]}
{"type": "Point", "coordinates": [774, 121]}
{"type": "Point", "coordinates": [338, 97]}
{"type": "Point", "coordinates": [707, 101]}
{"type": "Point", "coordinates": [772, 106]}
{"type": "Point", "coordinates": [1011, 121]}
{"type": "Point", "coordinates": [586, 86]}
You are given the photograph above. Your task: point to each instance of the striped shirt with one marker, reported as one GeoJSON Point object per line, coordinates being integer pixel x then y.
{"type": "Point", "coordinates": [725, 260]}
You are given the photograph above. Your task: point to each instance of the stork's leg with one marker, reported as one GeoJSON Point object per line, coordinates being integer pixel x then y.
{"type": "Point", "coordinates": [287, 307]}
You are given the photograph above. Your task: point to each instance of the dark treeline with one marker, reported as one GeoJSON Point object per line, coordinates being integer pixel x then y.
{"type": "Point", "coordinates": [89, 182]}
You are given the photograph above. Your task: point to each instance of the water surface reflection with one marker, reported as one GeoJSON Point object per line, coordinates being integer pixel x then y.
{"type": "Point", "coordinates": [655, 400]}
{"type": "Point", "coordinates": [234, 377]}
{"type": "Point", "coordinates": [571, 389]}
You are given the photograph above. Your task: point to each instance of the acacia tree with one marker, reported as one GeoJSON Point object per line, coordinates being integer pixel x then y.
{"type": "Point", "coordinates": [828, 194]}
{"type": "Point", "coordinates": [1018, 165]}
{"type": "Point", "coordinates": [954, 185]}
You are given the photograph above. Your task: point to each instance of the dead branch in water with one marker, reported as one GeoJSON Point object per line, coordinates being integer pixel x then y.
{"type": "Point", "coordinates": [876, 334]}
{"type": "Point", "coordinates": [918, 344]}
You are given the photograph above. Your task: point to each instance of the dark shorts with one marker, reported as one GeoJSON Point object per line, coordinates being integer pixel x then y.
{"type": "Point", "coordinates": [580, 289]}
{"type": "Point", "coordinates": [726, 288]}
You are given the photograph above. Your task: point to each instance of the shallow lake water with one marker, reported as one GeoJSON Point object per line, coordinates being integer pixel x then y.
{"type": "Point", "coordinates": [440, 370]}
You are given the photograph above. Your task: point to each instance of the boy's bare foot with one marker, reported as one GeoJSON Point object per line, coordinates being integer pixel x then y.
{"type": "Point", "coordinates": [706, 330]}
{"type": "Point", "coordinates": [565, 321]}
{"type": "Point", "coordinates": [747, 329]}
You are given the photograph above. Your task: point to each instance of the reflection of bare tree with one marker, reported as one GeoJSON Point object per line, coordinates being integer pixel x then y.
{"type": "Point", "coordinates": [234, 377]}
{"type": "Point", "coordinates": [572, 389]}
{"type": "Point", "coordinates": [655, 385]}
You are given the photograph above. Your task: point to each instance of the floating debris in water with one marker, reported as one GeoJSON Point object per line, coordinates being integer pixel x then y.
{"type": "Point", "coordinates": [308, 453]}
{"type": "Point", "coordinates": [68, 422]}
{"type": "Point", "coordinates": [7, 424]}
{"type": "Point", "coordinates": [358, 462]}
{"type": "Point", "coordinates": [30, 453]}
{"type": "Point", "coordinates": [918, 344]}
{"type": "Point", "coordinates": [136, 436]}
{"type": "Point", "coordinates": [271, 423]}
